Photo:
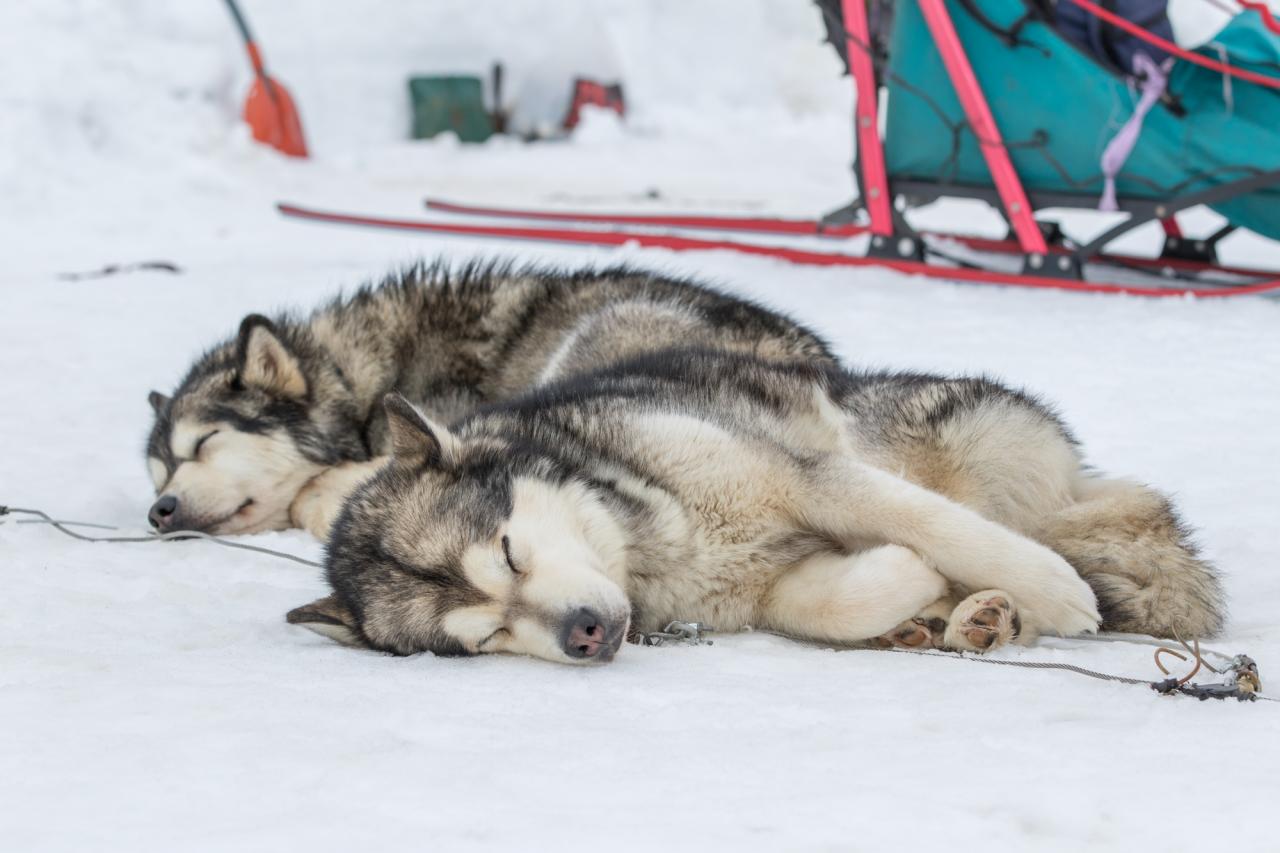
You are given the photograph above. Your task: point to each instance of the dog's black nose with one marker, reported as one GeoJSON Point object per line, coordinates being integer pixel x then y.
{"type": "Point", "coordinates": [162, 512]}
{"type": "Point", "coordinates": [586, 635]}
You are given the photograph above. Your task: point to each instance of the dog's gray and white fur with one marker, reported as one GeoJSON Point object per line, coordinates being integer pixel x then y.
{"type": "Point", "coordinates": [270, 428]}
{"type": "Point", "coordinates": [738, 490]}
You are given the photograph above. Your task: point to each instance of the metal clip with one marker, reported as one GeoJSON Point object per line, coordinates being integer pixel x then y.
{"type": "Point", "coordinates": [1240, 682]}
{"type": "Point", "coordinates": [1244, 675]}
{"type": "Point", "coordinates": [689, 633]}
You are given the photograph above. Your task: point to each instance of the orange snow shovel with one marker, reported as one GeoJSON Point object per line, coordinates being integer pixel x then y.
{"type": "Point", "coordinates": [269, 110]}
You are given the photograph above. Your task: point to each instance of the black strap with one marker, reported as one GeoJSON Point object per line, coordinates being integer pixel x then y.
{"type": "Point", "coordinates": [1107, 35]}
{"type": "Point", "coordinates": [1011, 35]}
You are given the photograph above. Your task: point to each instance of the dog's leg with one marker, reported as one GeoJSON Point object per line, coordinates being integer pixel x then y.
{"type": "Point", "coordinates": [318, 504]}
{"type": "Point", "coordinates": [856, 504]}
{"type": "Point", "coordinates": [853, 597]}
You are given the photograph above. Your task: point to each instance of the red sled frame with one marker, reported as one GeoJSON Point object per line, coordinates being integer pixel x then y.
{"type": "Point", "coordinates": [893, 238]}
{"type": "Point", "coordinates": [873, 178]}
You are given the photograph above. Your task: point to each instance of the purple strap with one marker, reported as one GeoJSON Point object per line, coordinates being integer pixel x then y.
{"type": "Point", "coordinates": [1154, 80]}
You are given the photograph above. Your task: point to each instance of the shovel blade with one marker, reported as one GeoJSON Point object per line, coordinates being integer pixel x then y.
{"type": "Point", "coordinates": [271, 115]}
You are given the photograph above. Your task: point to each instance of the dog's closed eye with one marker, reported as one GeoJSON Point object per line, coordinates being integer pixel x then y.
{"type": "Point", "coordinates": [499, 634]}
{"type": "Point", "coordinates": [195, 451]}
{"type": "Point", "coordinates": [506, 552]}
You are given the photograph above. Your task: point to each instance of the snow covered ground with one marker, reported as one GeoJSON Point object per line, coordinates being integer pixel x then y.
{"type": "Point", "coordinates": [151, 696]}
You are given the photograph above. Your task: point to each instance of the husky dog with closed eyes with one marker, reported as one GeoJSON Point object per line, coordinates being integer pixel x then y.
{"type": "Point", "coordinates": [270, 428]}
{"type": "Point", "coordinates": [737, 490]}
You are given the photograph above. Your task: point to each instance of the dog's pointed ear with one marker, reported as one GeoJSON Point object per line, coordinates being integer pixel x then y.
{"type": "Point", "coordinates": [415, 438]}
{"type": "Point", "coordinates": [330, 618]}
{"type": "Point", "coordinates": [265, 362]}
{"type": "Point", "coordinates": [158, 401]}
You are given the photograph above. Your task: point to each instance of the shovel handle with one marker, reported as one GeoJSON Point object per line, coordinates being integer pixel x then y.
{"type": "Point", "coordinates": [250, 45]}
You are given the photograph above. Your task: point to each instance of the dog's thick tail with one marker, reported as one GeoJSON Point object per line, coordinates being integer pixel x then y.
{"type": "Point", "coordinates": [1127, 542]}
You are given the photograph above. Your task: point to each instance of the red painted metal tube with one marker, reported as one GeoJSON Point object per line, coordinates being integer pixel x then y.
{"type": "Point", "coordinates": [1014, 197]}
{"type": "Point", "coordinates": [873, 180]}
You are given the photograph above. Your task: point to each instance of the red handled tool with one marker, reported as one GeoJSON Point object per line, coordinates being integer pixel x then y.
{"type": "Point", "coordinates": [269, 110]}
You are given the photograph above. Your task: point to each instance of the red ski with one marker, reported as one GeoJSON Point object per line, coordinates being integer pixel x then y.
{"type": "Point", "coordinates": [755, 224]}
{"type": "Point", "coordinates": [792, 255]}
{"type": "Point", "coordinates": [814, 228]}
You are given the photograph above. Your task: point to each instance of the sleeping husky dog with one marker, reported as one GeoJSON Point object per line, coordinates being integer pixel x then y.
{"type": "Point", "coordinates": [269, 427]}
{"type": "Point", "coordinates": [734, 490]}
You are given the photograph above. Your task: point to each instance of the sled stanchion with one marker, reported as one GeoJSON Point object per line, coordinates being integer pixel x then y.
{"type": "Point", "coordinates": [976, 109]}
{"type": "Point", "coordinates": [872, 177]}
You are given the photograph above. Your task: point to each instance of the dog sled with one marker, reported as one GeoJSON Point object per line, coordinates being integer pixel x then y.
{"type": "Point", "coordinates": [1033, 107]}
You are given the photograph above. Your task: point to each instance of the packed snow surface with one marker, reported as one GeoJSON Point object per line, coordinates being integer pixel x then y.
{"type": "Point", "coordinates": [152, 697]}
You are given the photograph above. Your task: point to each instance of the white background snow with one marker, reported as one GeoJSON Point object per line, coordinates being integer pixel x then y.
{"type": "Point", "coordinates": [152, 697]}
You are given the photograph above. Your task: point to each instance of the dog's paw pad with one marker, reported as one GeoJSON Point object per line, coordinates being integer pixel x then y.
{"type": "Point", "coordinates": [982, 622]}
{"type": "Point", "coordinates": [914, 634]}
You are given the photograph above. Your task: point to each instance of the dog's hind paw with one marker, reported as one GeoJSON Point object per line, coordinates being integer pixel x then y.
{"type": "Point", "coordinates": [918, 633]}
{"type": "Point", "coordinates": [984, 621]}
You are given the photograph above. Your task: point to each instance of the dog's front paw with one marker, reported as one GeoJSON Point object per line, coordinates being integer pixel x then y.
{"type": "Point", "coordinates": [1052, 598]}
{"type": "Point", "coordinates": [315, 507]}
{"type": "Point", "coordinates": [320, 501]}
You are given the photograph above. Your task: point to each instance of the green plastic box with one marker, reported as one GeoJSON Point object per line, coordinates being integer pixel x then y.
{"type": "Point", "coordinates": [453, 102]}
